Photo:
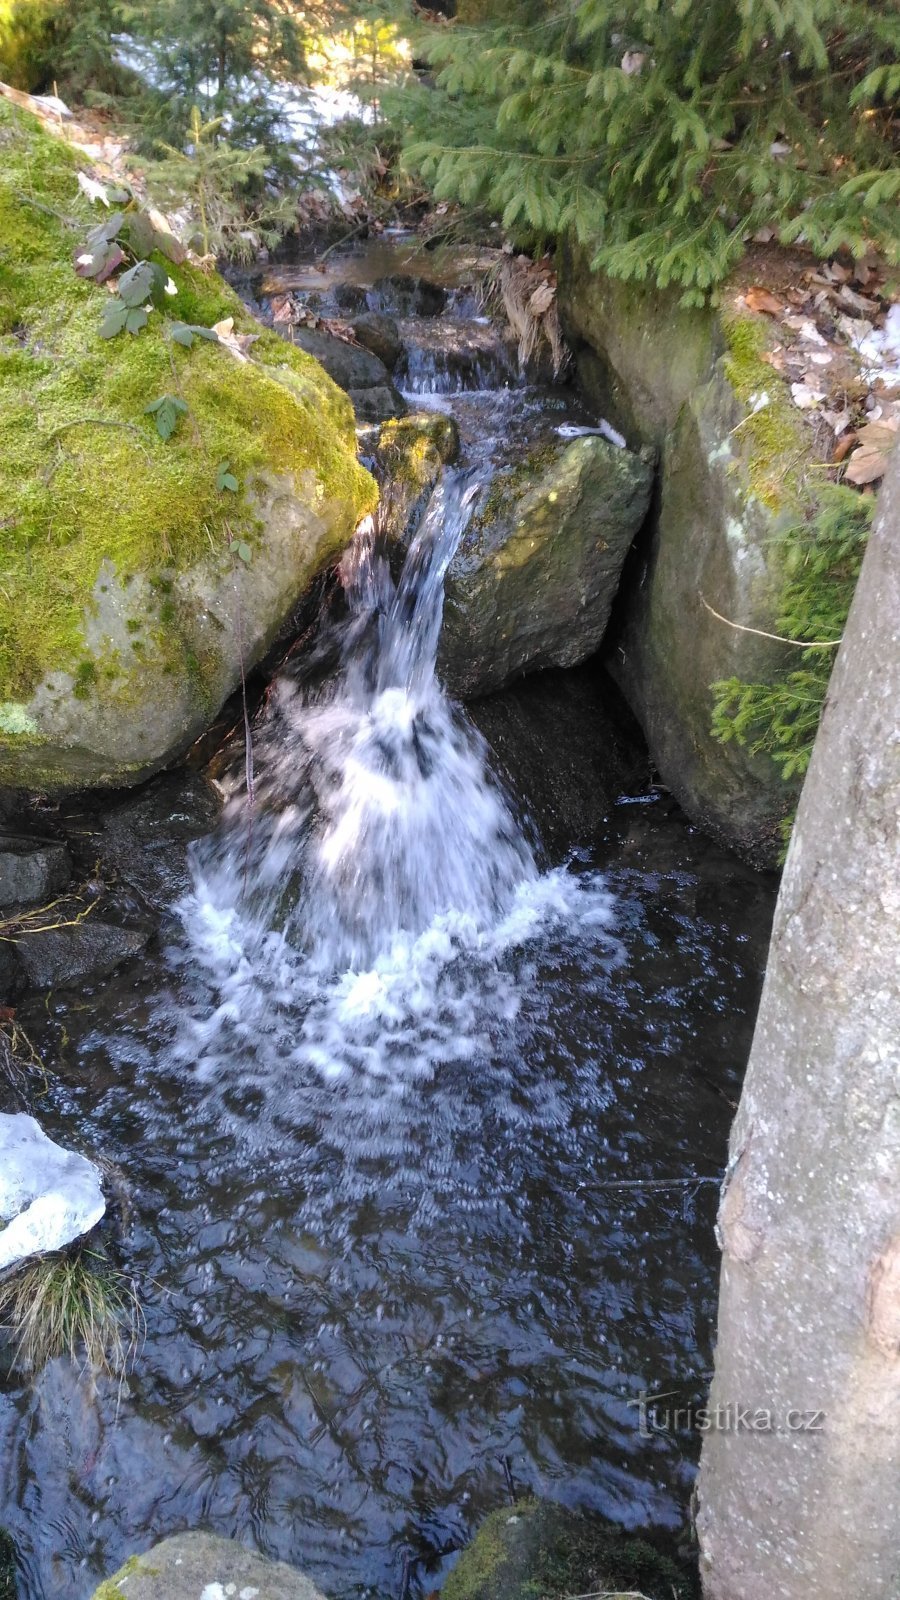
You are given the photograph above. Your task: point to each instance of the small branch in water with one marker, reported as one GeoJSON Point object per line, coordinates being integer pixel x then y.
{"type": "Point", "coordinates": [649, 1183]}
{"type": "Point", "coordinates": [779, 638]}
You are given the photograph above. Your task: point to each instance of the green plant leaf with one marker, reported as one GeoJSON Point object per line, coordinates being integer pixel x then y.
{"type": "Point", "coordinates": [165, 412]}
{"type": "Point", "coordinates": [141, 283]}
{"type": "Point", "coordinates": [186, 332]}
{"type": "Point", "coordinates": [225, 478]}
{"type": "Point", "coordinates": [115, 318]}
{"type": "Point", "coordinates": [136, 319]}
{"type": "Point", "coordinates": [240, 547]}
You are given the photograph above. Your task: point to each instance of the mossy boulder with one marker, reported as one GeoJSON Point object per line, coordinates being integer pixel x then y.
{"type": "Point", "coordinates": [192, 1566]}
{"type": "Point", "coordinates": [125, 614]}
{"type": "Point", "coordinates": [533, 580]}
{"type": "Point", "coordinates": [408, 456]}
{"type": "Point", "coordinates": [538, 1550]}
{"type": "Point", "coordinates": [737, 468]}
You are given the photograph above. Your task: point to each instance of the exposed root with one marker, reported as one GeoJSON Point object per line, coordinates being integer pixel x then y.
{"type": "Point", "coordinates": [527, 290]}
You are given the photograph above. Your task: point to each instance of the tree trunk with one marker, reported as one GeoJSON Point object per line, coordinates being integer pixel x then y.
{"type": "Point", "coordinates": [806, 1505]}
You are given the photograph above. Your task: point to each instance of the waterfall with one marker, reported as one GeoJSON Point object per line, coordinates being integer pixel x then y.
{"type": "Point", "coordinates": [360, 914]}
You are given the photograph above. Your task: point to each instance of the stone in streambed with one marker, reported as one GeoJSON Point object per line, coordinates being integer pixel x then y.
{"type": "Point", "coordinates": [408, 456]}
{"type": "Point", "coordinates": [355, 369]}
{"type": "Point", "coordinates": [89, 949]}
{"type": "Point", "coordinates": [31, 870]}
{"type": "Point", "coordinates": [379, 334]}
{"type": "Point", "coordinates": [48, 1195]}
{"type": "Point", "coordinates": [202, 1566]}
{"type": "Point", "coordinates": [538, 1550]}
{"type": "Point", "coordinates": [534, 578]}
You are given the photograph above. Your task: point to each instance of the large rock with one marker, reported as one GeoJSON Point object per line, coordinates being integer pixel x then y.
{"type": "Point", "coordinates": [733, 458]}
{"type": "Point", "coordinates": [201, 1566]}
{"type": "Point", "coordinates": [126, 615]}
{"type": "Point", "coordinates": [533, 580]}
{"type": "Point", "coordinates": [48, 1196]}
{"type": "Point", "coordinates": [538, 1550]}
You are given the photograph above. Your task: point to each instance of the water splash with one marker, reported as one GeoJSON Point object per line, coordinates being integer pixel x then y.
{"type": "Point", "coordinates": [373, 912]}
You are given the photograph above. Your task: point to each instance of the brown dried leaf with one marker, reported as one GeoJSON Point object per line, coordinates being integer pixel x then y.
{"type": "Point", "coordinates": [759, 299]}
{"type": "Point", "coordinates": [866, 466]}
{"type": "Point", "coordinates": [879, 435]}
{"type": "Point", "coordinates": [542, 299]}
{"type": "Point", "coordinates": [843, 447]}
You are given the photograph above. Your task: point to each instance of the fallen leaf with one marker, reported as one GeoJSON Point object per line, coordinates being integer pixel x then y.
{"type": "Point", "coordinates": [224, 328]}
{"type": "Point", "coordinates": [879, 435]}
{"type": "Point", "coordinates": [806, 398]}
{"type": "Point", "coordinates": [542, 299]}
{"type": "Point", "coordinates": [844, 446]}
{"type": "Point", "coordinates": [764, 235]}
{"type": "Point", "coordinates": [759, 299]}
{"type": "Point", "coordinates": [856, 302]}
{"type": "Point", "coordinates": [773, 358]}
{"type": "Point", "coordinates": [866, 466]}
{"type": "Point", "coordinates": [93, 189]}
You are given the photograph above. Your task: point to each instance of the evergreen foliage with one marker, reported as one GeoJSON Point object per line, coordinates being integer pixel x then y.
{"type": "Point", "coordinates": [663, 135]}
{"type": "Point", "coordinates": [822, 561]}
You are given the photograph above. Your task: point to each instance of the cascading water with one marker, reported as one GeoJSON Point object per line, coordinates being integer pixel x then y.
{"type": "Point", "coordinates": [358, 914]}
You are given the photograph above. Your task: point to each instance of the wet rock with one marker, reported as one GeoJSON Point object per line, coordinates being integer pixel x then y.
{"type": "Point", "coordinates": [533, 580]}
{"type": "Point", "coordinates": [144, 842]}
{"type": "Point", "coordinates": [379, 334]}
{"type": "Point", "coordinates": [378, 404]}
{"type": "Point", "coordinates": [405, 296]}
{"type": "Point", "coordinates": [409, 455]}
{"type": "Point", "coordinates": [567, 748]}
{"type": "Point", "coordinates": [89, 949]}
{"type": "Point", "coordinates": [201, 1566]}
{"type": "Point", "coordinates": [120, 654]}
{"type": "Point", "coordinates": [538, 1548]}
{"type": "Point", "coordinates": [48, 1196]}
{"type": "Point", "coordinates": [347, 297]}
{"type": "Point", "coordinates": [31, 870]}
{"type": "Point", "coordinates": [351, 366]}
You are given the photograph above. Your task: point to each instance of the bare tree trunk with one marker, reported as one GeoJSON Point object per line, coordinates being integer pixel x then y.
{"type": "Point", "coordinates": [806, 1506]}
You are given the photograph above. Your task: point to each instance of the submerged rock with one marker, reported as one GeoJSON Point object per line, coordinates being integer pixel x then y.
{"type": "Point", "coordinates": [31, 870]}
{"type": "Point", "coordinates": [407, 296]}
{"type": "Point", "coordinates": [48, 1196]}
{"type": "Point", "coordinates": [533, 580]}
{"type": "Point", "coordinates": [537, 1550]}
{"type": "Point", "coordinates": [201, 1566]}
{"type": "Point", "coordinates": [377, 404]}
{"type": "Point", "coordinates": [125, 615]}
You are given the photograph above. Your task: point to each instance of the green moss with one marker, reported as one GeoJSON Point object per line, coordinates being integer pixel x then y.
{"type": "Point", "coordinates": [775, 440]}
{"type": "Point", "coordinates": [111, 1588]}
{"type": "Point", "coordinates": [7, 1567]}
{"type": "Point", "coordinates": [513, 484]}
{"type": "Point", "coordinates": [84, 478]}
{"type": "Point", "coordinates": [536, 1550]}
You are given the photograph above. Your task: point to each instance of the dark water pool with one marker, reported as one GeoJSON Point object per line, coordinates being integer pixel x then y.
{"type": "Point", "coordinates": [372, 1306]}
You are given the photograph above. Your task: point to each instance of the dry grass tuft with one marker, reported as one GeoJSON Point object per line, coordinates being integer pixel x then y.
{"type": "Point", "coordinates": [75, 1305]}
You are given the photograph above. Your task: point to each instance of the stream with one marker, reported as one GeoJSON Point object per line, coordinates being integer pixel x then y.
{"type": "Point", "coordinates": [396, 1097]}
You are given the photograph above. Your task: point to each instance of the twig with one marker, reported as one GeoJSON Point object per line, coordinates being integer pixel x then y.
{"type": "Point", "coordinates": [650, 1183]}
{"type": "Point", "coordinates": [779, 638]}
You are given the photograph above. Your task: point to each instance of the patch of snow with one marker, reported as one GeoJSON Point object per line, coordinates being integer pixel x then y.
{"type": "Point", "coordinates": [879, 350]}
{"type": "Point", "coordinates": [48, 1195]}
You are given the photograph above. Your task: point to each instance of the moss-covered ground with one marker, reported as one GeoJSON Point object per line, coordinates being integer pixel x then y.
{"type": "Point", "coordinates": [83, 474]}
